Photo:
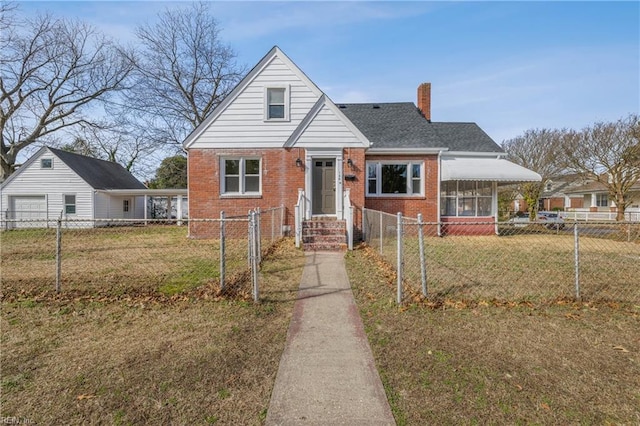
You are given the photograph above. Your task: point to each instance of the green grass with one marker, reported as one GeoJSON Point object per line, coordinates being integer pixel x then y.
{"type": "Point", "coordinates": [195, 359]}
{"type": "Point", "coordinates": [113, 262]}
{"type": "Point", "coordinates": [522, 267]}
{"type": "Point", "coordinates": [491, 362]}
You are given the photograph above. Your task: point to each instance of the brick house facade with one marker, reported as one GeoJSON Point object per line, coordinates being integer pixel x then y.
{"type": "Point", "coordinates": [277, 136]}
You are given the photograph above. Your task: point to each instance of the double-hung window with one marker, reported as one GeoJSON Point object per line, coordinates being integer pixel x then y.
{"type": "Point", "coordinates": [69, 204]}
{"type": "Point", "coordinates": [277, 103]}
{"type": "Point", "coordinates": [241, 176]}
{"type": "Point", "coordinates": [394, 178]}
{"type": "Point", "coordinates": [602, 200]}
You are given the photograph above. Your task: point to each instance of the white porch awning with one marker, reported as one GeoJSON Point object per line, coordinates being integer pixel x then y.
{"type": "Point", "coordinates": [486, 169]}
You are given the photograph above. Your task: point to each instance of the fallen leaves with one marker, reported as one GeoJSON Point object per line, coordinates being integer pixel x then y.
{"type": "Point", "coordinates": [83, 396]}
{"type": "Point", "coordinates": [621, 349]}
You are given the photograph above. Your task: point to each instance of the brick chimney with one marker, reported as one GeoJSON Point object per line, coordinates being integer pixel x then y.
{"type": "Point", "coordinates": [424, 100]}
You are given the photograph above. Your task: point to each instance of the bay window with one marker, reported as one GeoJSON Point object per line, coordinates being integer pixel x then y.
{"type": "Point", "coordinates": [466, 198]}
{"type": "Point", "coordinates": [394, 178]}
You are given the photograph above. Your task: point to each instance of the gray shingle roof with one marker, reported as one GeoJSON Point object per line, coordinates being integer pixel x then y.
{"type": "Point", "coordinates": [99, 174]}
{"type": "Point", "coordinates": [401, 125]}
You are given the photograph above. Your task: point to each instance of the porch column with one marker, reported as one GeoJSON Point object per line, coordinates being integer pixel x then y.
{"type": "Point", "coordinates": [146, 208]}
{"type": "Point", "coordinates": [168, 207]}
{"type": "Point", "coordinates": [339, 189]}
{"type": "Point", "coordinates": [179, 209]}
{"type": "Point", "coordinates": [593, 200]}
{"type": "Point", "coordinates": [308, 163]}
{"type": "Point", "coordinates": [494, 205]}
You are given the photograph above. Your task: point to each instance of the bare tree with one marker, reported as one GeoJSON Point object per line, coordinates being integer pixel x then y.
{"type": "Point", "coordinates": [540, 151]}
{"type": "Point", "coordinates": [53, 72]}
{"type": "Point", "coordinates": [115, 142]}
{"type": "Point", "coordinates": [184, 70]}
{"type": "Point", "coordinates": [609, 153]}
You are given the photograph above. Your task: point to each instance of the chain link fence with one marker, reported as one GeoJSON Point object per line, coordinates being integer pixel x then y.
{"type": "Point", "coordinates": [537, 262]}
{"type": "Point", "coordinates": [115, 259]}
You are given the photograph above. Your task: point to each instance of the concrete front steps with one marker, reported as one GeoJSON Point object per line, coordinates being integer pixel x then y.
{"type": "Point", "coordinates": [324, 235]}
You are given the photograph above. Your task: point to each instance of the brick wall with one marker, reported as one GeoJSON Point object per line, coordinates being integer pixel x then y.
{"type": "Point", "coordinates": [281, 179]}
{"type": "Point", "coordinates": [410, 206]}
{"type": "Point", "coordinates": [357, 186]}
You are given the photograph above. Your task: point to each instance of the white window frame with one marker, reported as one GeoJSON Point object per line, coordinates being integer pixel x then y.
{"type": "Point", "coordinates": [125, 205]}
{"type": "Point", "coordinates": [602, 197]}
{"type": "Point", "coordinates": [65, 205]}
{"type": "Point", "coordinates": [457, 197]}
{"type": "Point", "coordinates": [241, 177]}
{"type": "Point", "coordinates": [287, 102]}
{"type": "Point", "coordinates": [42, 160]}
{"type": "Point", "coordinates": [410, 190]}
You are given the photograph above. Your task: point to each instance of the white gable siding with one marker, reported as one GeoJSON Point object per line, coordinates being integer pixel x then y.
{"type": "Point", "coordinates": [243, 123]}
{"type": "Point", "coordinates": [53, 183]}
{"type": "Point", "coordinates": [327, 129]}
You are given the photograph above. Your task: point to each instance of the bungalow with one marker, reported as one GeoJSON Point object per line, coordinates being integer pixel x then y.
{"type": "Point", "coordinates": [53, 182]}
{"type": "Point", "coordinates": [597, 205]}
{"type": "Point", "coordinates": [277, 139]}
{"type": "Point", "coordinates": [556, 194]}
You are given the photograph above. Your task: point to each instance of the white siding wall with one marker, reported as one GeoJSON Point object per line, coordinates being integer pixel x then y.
{"type": "Point", "coordinates": [138, 208]}
{"type": "Point", "coordinates": [54, 183]}
{"type": "Point", "coordinates": [326, 128]}
{"type": "Point", "coordinates": [102, 201]}
{"type": "Point", "coordinates": [243, 122]}
{"type": "Point", "coordinates": [111, 207]}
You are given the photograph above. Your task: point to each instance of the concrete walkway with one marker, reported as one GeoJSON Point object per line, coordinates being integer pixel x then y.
{"type": "Point", "coordinates": [327, 374]}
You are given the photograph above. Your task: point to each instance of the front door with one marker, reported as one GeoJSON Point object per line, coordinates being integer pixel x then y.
{"type": "Point", "coordinates": [324, 186]}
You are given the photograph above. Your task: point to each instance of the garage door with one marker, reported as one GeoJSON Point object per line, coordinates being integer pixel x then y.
{"type": "Point", "coordinates": [28, 208]}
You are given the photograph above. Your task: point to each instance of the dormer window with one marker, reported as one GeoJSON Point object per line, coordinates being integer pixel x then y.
{"type": "Point", "coordinates": [277, 104]}
{"type": "Point", "coordinates": [46, 163]}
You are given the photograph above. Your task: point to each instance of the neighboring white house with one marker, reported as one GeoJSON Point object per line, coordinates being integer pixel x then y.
{"type": "Point", "coordinates": [597, 204]}
{"type": "Point", "coordinates": [54, 182]}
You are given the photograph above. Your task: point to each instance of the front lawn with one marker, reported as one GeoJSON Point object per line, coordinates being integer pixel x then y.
{"type": "Point", "coordinates": [148, 360]}
{"type": "Point", "coordinates": [491, 362]}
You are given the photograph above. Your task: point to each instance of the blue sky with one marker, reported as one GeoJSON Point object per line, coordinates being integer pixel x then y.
{"type": "Point", "coordinates": [508, 66]}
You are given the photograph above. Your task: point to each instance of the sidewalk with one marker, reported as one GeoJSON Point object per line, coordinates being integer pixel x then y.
{"type": "Point", "coordinates": [327, 374]}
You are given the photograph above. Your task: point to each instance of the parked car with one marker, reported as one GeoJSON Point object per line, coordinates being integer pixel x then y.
{"type": "Point", "coordinates": [520, 220]}
{"type": "Point", "coordinates": [550, 220]}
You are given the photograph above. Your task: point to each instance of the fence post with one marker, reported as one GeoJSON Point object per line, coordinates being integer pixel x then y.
{"type": "Point", "coordinates": [281, 229]}
{"type": "Point", "coordinates": [381, 228]}
{"type": "Point", "coordinates": [253, 226]}
{"type": "Point", "coordinates": [423, 266]}
{"type": "Point", "coordinates": [400, 267]}
{"type": "Point", "coordinates": [58, 253]}
{"type": "Point", "coordinates": [258, 216]}
{"type": "Point", "coordinates": [273, 225]}
{"type": "Point", "coordinates": [576, 249]}
{"type": "Point", "coordinates": [222, 250]}
{"type": "Point", "coordinates": [249, 241]}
